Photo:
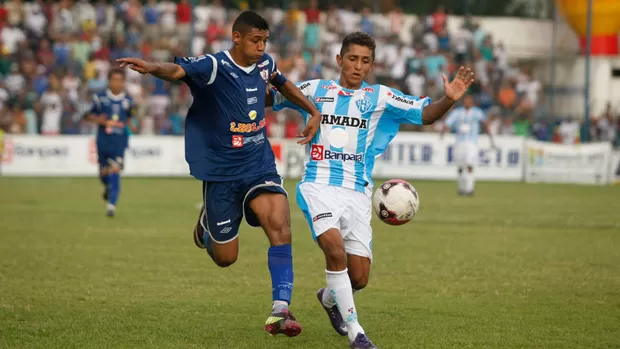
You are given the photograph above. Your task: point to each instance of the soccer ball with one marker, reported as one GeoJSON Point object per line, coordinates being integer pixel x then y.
{"type": "Point", "coordinates": [396, 202]}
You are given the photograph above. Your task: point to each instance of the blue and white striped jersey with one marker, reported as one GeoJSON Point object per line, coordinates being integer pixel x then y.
{"type": "Point", "coordinates": [356, 126]}
{"type": "Point", "coordinates": [466, 123]}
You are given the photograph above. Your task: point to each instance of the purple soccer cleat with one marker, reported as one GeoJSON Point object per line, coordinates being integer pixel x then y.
{"type": "Point", "coordinates": [334, 315]}
{"type": "Point", "coordinates": [362, 342]}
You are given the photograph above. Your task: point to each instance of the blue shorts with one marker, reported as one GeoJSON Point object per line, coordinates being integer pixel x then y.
{"type": "Point", "coordinates": [227, 202]}
{"type": "Point", "coordinates": [107, 157]}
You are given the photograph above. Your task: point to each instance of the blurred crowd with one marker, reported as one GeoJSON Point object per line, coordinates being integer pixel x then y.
{"type": "Point", "coordinates": [55, 54]}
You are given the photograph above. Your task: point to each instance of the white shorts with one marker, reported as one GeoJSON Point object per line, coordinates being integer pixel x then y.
{"type": "Point", "coordinates": [326, 207]}
{"type": "Point", "coordinates": [465, 154]}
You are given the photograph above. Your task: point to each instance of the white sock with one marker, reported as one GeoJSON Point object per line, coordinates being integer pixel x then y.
{"type": "Point", "coordinates": [278, 306]}
{"type": "Point", "coordinates": [328, 298]}
{"type": "Point", "coordinates": [339, 284]}
{"type": "Point", "coordinates": [470, 182]}
{"type": "Point", "coordinates": [462, 181]}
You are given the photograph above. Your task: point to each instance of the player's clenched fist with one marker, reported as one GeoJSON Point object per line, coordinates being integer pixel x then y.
{"type": "Point", "coordinates": [137, 64]}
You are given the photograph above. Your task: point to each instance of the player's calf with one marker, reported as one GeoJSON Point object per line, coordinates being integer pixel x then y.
{"type": "Point", "coordinates": [359, 270]}
{"type": "Point", "coordinates": [272, 213]}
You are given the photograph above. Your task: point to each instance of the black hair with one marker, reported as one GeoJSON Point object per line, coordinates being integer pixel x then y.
{"type": "Point", "coordinates": [249, 20]}
{"type": "Point", "coordinates": [115, 71]}
{"type": "Point", "coordinates": [358, 38]}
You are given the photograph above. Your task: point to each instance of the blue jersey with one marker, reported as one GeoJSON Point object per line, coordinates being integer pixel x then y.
{"type": "Point", "coordinates": [225, 135]}
{"type": "Point", "coordinates": [466, 123]}
{"type": "Point", "coordinates": [113, 107]}
{"type": "Point", "coordinates": [356, 126]}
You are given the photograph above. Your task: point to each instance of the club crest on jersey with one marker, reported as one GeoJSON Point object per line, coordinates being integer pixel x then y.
{"type": "Point", "coordinates": [252, 114]}
{"type": "Point", "coordinates": [364, 105]}
{"type": "Point", "coordinates": [265, 75]}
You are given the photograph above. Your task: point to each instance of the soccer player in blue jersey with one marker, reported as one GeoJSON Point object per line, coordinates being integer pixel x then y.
{"type": "Point", "coordinates": [358, 121]}
{"type": "Point", "coordinates": [112, 111]}
{"type": "Point", "coordinates": [465, 121]}
{"type": "Point", "coordinates": [227, 149]}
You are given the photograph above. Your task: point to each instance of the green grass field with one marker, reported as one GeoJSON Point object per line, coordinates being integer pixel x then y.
{"type": "Point", "coordinates": [516, 266]}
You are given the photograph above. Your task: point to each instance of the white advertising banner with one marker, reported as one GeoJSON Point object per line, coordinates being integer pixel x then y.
{"type": "Point", "coordinates": [559, 163]}
{"type": "Point", "coordinates": [77, 156]}
{"type": "Point", "coordinates": [48, 156]}
{"type": "Point", "coordinates": [614, 167]}
{"type": "Point", "coordinates": [426, 156]}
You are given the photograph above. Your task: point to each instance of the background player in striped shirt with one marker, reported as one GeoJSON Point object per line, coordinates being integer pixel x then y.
{"type": "Point", "coordinates": [358, 121]}
{"type": "Point", "coordinates": [465, 122]}
{"type": "Point", "coordinates": [226, 147]}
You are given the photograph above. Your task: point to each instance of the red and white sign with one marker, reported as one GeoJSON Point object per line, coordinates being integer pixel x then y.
{"type": "Point", "coordinates": [317, 153]}
{"type": "Point", "coordinates": [237, 141]}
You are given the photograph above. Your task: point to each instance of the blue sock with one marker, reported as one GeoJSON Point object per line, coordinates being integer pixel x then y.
{"type": "Point", "coordinates": [104, 179]}
{"type": "Point", "coordinates": [280, 262]}
{"type": "Point", "coordinates": [115, 187]}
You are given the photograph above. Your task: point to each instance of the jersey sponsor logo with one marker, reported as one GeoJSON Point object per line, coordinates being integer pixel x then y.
{"type": "Point", "coordinates": [324, 99]}
{"type": "Point", "coordinates": [258, 139]}
{"type": "Point", "coordinates": [225, 63]}
{"type": "Point", "coordinates": [253, 89]}
{"type": "Point", "coordinates": [237, 141]}
{"type": "Point", "coordinates": [403, 100]}
{"type": "Point", "coordinates": [345, 93]}
{"type": "Point", "coordinates": [304, 86]}
{"type": "Point", "coordinates": [234, 75]}
{"type": "Point", "coordinates": [344, 157]}
{"type": "Point", "coordinates": [263, 64]}
{"type": "Point", "coordinates": [321, 216]}
{"type": "Point", "coordinates": [240, 127]}
{"type": "Point", "coordinates": [319, 153]}
{"type": "Point", "coordinates": [364, 105]}
{"type": "Point", "coordinates": [316, 152]}
{"type": "Point", "coordinates": [252, 100]}
{"type": "Point", "coordinates": [369, 89]}
{"type": "Point", "coordinates": [329, 87]}
{"type": "Point", "coordinates": [341, 120]}
{"type": "Point", "coordinates": [265, 75]}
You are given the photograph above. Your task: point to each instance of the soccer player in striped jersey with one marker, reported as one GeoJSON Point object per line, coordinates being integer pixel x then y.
{"type": "Point", "coordinates": [465, 122]}
{"type": "Point", "coordinates": [357, 123]}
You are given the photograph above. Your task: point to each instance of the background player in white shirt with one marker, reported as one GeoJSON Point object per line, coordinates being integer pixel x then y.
{"type": "Point", "coordinates": [357, 123]}
{"type": "Point", "coordinates": [465, 122]}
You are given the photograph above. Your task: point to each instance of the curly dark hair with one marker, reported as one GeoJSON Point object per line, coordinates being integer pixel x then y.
{"type": "Point", "coordinates": [358, 38]}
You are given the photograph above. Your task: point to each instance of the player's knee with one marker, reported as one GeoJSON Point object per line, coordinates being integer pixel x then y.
{"type": "Point", "coordinates": [115, 169]}
{"type": "Point", "coordinates": [278, 229]}
{"type": "Point", "coordinates": [225, 261]}
{"type": "Point", "coordinates": [358, 281]}
{"type": "Point", "coordinates": [470, 169]}
{"type": "Point", "coordinates": [333, 248]}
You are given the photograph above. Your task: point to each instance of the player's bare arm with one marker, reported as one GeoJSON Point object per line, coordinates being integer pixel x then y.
{"type": "Point", "coordinates": [293, 94]}
{"type": "Point", "coordinates": [454, 90]}
{"type": "Point", "coordinates": [162, 70]}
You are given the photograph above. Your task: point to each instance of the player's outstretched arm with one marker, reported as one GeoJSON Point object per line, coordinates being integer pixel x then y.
{"type": "Point", "coordinates": [454, 90]}
{"type": "Point", "coordinates": [292, 93]}
{"type": "Point", "coordinates": [164, 71]}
